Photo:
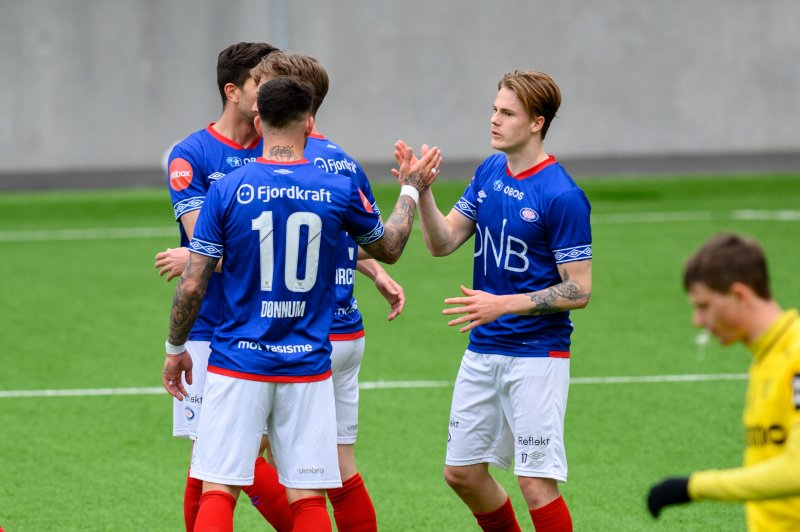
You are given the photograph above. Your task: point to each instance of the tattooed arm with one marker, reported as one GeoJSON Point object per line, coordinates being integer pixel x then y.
{"type": "Point", "coordinates": [189, 294]}
{"type": "Point", "coordinates": [397, 228]}
{"type": "Point", "coordinates": [479, 307]}
{"type": "Point", "coordinates": [572, 293]}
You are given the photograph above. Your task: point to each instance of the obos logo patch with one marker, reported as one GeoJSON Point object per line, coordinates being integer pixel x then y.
{"type": "Point", "coordinates": [498, 185]}
{"type": "Point", "coordinates": [528, 214]}
{"type": "Point", "coordinates": [180, 174]}
{"type": "Point", "coordinates": [234, 161]}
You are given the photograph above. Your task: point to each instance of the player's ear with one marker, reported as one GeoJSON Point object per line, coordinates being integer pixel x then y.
{"type": "Point", "coordinates": [537, 124]}
{"type": "Point", "coordinates": [309, 125]}
{"type": "Point", "coordinates": [740, 291]}
{"type": "Point", "coordinates": [231, 92]}
{"type": "Point", "coordinates": [257, 125]}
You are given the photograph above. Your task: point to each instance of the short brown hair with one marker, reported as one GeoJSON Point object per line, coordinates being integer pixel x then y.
{"type": "Point", "coordinates": [301, 66]}
{"type": "Point", "coordinates": [538, 93]}
{"type": "Point", "coordinates": [284, 100]}
{"type": "Point", "coordinates": [235, 61]}
{"type": "Point", "coordinates": [725, 259]}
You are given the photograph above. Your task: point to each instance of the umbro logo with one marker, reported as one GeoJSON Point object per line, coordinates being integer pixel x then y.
{"type": "Point", "coordinates": [215, 176]}
{"type": "Point", "coordinates": [283, 171]}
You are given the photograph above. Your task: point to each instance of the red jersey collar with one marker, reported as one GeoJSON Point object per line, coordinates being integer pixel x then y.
{"type": "Point", "coordinates": [533, 169]}
{"type": "Point", "coordinates": [225, 140]}
{"type": "Point", "coordinates": [317, 136]}
{"type": "Point", "coordinates": [281, 163]}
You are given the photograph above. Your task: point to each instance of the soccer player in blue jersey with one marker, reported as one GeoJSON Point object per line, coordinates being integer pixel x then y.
{"type": "Point", "coordinates": [532, 265]}
{"type": "Point", "coordinates": [194, 164]}
{"type": "Point", "coordinates": [277, 222]}
{"type": "Point", "coordinates": [352, 506]}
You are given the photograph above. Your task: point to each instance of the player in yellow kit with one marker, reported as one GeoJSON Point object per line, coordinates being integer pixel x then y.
{"type": "Point", "coordinates": [729, 290]}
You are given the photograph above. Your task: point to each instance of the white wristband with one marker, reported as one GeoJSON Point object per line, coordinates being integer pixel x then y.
{"type": "Point", "coordinates": [410, 191]}
{"type": "Point", "coordinates": [173, 349]}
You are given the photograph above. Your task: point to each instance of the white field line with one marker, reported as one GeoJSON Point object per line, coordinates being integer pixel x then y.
{"type": "Point", "coordinates": [383, 385]}
{"type": "Point", "coordinates": [110, 233]}
{"type": "Point", "coordinates": [113, 233]}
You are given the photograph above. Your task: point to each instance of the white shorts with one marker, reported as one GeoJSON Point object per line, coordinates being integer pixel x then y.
{"type": "Point", "coordinates": [302, 426]}
{"type": "Point", "coordinates": [186, 413]}
{"type": "Point", "coordinates": [345, 364]}
{"type": "Point", "coordinates": [510, 408]}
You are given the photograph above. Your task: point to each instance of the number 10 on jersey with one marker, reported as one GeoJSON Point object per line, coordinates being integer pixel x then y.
{"type": "Point", "coordinates": [264, 225]}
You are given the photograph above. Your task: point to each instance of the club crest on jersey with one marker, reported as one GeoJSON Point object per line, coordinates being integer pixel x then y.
{"type": "Point", "coordinates": [234, 161]}
{"type": "Point", "coordinates": [498, 185]}
{"type": "Point", "coordinates": [528, 214]}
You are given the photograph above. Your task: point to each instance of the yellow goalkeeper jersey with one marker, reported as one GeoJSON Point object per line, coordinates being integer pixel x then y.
{"type": "Point", "coordinates": [769, 480]}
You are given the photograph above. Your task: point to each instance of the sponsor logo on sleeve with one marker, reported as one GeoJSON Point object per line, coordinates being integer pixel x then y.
{"type": "Point", "coordinates": [180, 174]}
{"type": "Point", "coordinates": [365, 202]}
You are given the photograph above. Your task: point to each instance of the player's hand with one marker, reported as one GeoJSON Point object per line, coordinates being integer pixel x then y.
{"type": "Point", "coordinates": [176, 366]}
{"type": "Point", "coordinates": [668, 492]}
{"type": "Point", "coordinates": [478, 307]}
{"type": "Point", "coordinates": [171, 262]}
{"type": "Point", "coordinates": [400, 153]}
{"type": "Point", "coordinates": [392, 293]}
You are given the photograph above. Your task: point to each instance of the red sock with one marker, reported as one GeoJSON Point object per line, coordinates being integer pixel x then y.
{"type": "Point", "coordinates": [269, 496]}
{"type": "Point", "coordinates": [311, 515]}
{"type": "Point", "coordinates": [191, 501]}
{"type": "Point", "coordinates": [500, 520]}
{"type": "Point", "coordinates": [216, 512]}
{"type": "Point", "coordinates": [552, 517]}
{"type": "Point", "coordinates": [352, 507]}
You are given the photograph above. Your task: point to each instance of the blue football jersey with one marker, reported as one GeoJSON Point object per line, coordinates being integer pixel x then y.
{"type": "Point", "coordinates": [194, 164]}
{"type": "Point", "coordinates": [278, 226]}
{"type": "Point", "coordinates": [329, 157]}
{"type": "Point", "coordinates": [525, 226]}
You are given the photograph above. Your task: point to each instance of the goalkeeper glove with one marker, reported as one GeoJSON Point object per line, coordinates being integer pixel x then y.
{"type": "Point", "coordinates": [668, 491]}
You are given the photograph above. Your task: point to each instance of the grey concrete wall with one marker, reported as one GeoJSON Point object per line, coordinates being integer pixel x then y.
{"type": "Point", "coordinates": [104, 84]}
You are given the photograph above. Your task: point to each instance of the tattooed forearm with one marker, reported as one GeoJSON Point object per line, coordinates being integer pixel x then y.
{"type": "Point", "coordinates": [189, 295]}
{"type": "Point", "coordinates": [282, 153]}
{"type": "Point", "coordinates": [557, 298]}
{"type": "Point", "coordinates": [396, 232]}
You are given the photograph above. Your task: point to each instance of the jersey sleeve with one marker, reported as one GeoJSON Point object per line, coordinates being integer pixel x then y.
{"type": "Point", "coordinates": [774, 477]}
{"type": "Point", "coordinates": [770, 479]}
{"type": "Point", "coordinates": [361, 220]}
{"type": "Point", "coordinates": [187, 188]}
{"type": "Point", "coordinates": [208, 231]}
{"type": "Point", "coordinates": [467, 203]}
{"type": "Point", "coordinates": [569, 231]}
